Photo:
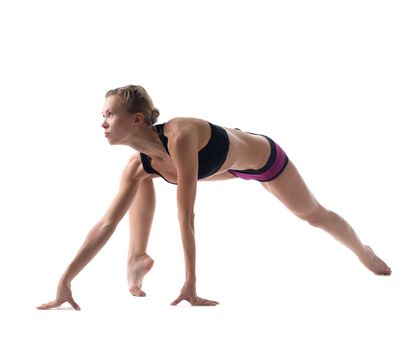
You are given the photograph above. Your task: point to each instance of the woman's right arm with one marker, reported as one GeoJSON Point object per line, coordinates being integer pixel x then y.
{"type": "Point", "coordinates": [101, 232]}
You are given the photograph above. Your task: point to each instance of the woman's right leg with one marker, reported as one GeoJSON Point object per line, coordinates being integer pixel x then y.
{"type": "Point", "coordinates": [291, 190]}
{"type": "Point", "coordinates": [141, 215]}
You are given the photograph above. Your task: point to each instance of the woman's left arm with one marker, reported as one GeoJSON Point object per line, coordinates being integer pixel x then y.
{"type": "Point", "coordinates": [184, 152]}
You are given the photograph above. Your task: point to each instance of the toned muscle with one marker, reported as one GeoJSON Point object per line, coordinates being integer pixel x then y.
{"type": "Point", "coordinates": [246, 151]}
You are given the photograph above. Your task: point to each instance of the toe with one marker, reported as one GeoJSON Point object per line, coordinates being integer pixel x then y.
{"type": "Point", "coordinates": [137, 292]}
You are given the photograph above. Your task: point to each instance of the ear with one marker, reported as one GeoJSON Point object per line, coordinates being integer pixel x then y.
{"type": "Point", "coordinates": [138, 119]}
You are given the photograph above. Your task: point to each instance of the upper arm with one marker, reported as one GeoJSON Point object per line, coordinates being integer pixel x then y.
{"type": "Point", "coordinates": [184, 152]}
{"type": "Point", "coordinates": [129, 183]}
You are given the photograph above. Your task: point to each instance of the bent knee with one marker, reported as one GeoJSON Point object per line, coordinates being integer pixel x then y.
{"type": "Point", "coordinates": [316, 218]}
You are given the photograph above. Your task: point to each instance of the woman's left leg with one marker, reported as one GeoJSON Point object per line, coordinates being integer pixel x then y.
{"type": "Point", "coordinates": [291, 190]}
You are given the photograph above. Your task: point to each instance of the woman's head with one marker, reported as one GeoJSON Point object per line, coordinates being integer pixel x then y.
{"type": "Point", "coordinates": [127, 110]}
{"type": "Point", "coordinates": [134, 99]}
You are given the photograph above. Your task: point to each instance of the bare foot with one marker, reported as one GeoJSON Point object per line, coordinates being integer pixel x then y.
{"type": "Point", "coordinates": [373, 263]}
{"type": "Point", "coordinates": [137, 269]}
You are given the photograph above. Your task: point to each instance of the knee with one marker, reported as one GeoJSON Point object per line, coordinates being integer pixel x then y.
{"type": "Point", "coordinates": [317, 218]}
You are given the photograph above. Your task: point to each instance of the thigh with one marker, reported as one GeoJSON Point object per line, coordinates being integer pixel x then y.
{"type": "Point", "coordinates": [226, 175]}
{"type": "Point", "coordinates": [290, 188]}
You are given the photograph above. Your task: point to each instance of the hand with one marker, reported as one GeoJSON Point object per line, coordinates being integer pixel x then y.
{"type": "Point", "coordinates": [63, 294]}
{"type": "Point", "coordinates": [188, 293]}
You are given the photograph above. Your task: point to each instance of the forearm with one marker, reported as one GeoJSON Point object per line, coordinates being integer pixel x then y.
{"type": "Point", "coordinates": [188, 243]}
{"type": "Point", "coordinates": [95, 240]}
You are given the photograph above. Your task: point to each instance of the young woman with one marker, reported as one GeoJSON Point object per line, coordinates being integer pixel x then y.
{"type": "Point", "coordinates": [183, 151]}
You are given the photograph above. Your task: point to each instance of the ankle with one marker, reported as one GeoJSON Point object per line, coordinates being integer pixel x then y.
{"type": "Point", "coordinates": [136, 257]}
{"type": "Point", "coordinates": [364, 254]}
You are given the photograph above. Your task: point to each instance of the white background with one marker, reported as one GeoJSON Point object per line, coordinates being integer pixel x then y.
{"type": "Point", "coordinates": [333, 82]}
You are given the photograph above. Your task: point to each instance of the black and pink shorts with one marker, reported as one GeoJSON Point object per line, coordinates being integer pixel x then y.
{"type": "Point", "coordinates": [275, 165]}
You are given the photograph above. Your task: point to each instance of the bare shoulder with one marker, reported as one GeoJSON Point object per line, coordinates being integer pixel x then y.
{"type": "Point", "coordinates": [134, 169]}
{"type": "Point", "coordinates": [178, 126]}
{"type": "Point", "coordinates": [135, 158]}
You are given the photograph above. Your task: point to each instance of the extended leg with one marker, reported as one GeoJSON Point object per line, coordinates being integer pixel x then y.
{"type": "Point", "coordinates": [141, 215]}
{"type": "Point", "coordinates": [291, 190]}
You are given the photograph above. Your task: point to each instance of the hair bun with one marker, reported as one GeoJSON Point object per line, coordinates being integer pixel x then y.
{"type": "Point", "coordinates": [155, 113]}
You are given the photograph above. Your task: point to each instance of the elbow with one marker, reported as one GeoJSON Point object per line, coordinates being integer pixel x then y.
{"type": "Point", "coordinates": [186, 218]}
{"type": "Point", "coordinates": [107, 226]}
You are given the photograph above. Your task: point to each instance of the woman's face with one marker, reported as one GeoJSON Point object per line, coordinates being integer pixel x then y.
{"type": "Point", "coordinates": [117, 120]}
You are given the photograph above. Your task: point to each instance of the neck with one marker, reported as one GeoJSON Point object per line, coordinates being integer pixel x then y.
{"type": "Point", "coordinates": [146, 140]}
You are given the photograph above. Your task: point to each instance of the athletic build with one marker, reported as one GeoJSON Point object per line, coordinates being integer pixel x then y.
{"type": "Point", "coordinates": [183, 151]}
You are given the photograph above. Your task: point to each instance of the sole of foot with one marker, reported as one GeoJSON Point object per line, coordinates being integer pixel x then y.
{"type": "Point", "coordinates": [137, 269]}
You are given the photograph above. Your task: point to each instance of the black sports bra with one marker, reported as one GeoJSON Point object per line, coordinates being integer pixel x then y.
{"type": "Point", "coordinates": [210, 158]}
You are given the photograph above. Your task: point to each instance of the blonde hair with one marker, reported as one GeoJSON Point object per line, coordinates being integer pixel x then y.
{"type": "Point", "coordinates": [136, 99]}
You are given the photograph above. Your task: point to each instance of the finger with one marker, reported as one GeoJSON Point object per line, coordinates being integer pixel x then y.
{"type": "Point", "coordinates": [204, 302]}
{"type": "Point", "coordinates": [74, 304]}
{"type": "Point", "coordinates": [176, 301]}
{"type": "Point", "coordinates": [49, 305]}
